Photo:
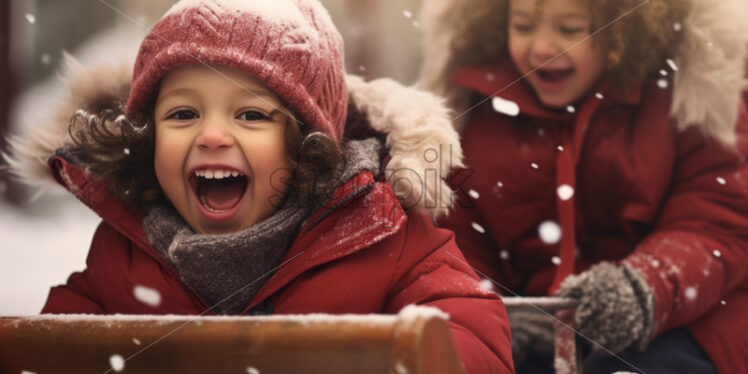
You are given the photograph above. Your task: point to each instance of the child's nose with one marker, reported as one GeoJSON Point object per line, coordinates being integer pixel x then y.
{"type": "Point", "coordinates": [542, 50]}
{"type": "Point", "coordinates": [214, 135]}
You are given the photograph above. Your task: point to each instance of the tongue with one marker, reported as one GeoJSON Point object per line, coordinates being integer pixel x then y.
{"type": "Point", "coordinates": [556, 75]}
{"type": "Point", "coordinates": [221, 194]}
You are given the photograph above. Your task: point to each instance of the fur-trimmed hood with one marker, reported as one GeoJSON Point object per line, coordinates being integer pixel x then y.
{"type": "Point", "coordinates": [710, 58]}
{"type": "Point", "coordinates": [416, 125]}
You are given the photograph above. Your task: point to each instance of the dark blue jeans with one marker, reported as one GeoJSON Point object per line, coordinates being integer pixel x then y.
{"type": "Point", "coordinates": [675, 351]}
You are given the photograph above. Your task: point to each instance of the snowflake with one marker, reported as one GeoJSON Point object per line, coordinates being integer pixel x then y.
{"type": "Point", "coordinates": [147, 295]}
{"type": "Point", "coordinates": [565, 192]}
{"type": "Point", "coordinates": [508, 107]}
{"type": "Point", "coordinates": [117, 362]}
{"type": "Point", "coordinates": [721, 181]}
{"type": "Point", "coordinates": [478, 228]}
{"type": "Point", "coordinates": [691, 293]}
{"type": "Point", "coordinates": [571, 109]}
{"type": "Point", "coordinates": [30, 18]}
{"type": "Point", "coordinates": [487, 285]}
{"type": "Point", "coordinates": [534, 166]}
{"type": "Point", "coordinates": [407, 14]}
{"type": "Point", "coordinates": [474, 194]}
{"type": "Point", "coordinates": [662, 83]}
{"type": "Point", "coordinates": [599, 96]}
{"type": "Point", "coordinates": [717, 253]}
{"type": "Point", "coordinates": [550, 232]}
{"type": "Point", "coordinates": [504, 254]}
{"type": "Point", "coordinates": [672, 64]}
{"type": "Point", "coordinates": [556, 260]}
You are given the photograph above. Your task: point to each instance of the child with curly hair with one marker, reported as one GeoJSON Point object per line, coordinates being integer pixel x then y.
{"type": "Point", "coordinates": [604, 163]}
{"type": "Point", "coordinates": [236, 173]}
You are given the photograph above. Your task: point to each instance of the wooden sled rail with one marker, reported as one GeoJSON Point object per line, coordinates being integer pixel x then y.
{"type": "Point", "coordinates": [81, 344]}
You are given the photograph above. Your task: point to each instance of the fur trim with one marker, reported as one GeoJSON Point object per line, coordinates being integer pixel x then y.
{"type": "Point", "coordinates": [420, 138]}
{"type": "Point", "coordinates": [86, 84]}
{"type": "Point", "coordinates": [711, 60]}
{"type": "Point", "coordinates": [419, 133]}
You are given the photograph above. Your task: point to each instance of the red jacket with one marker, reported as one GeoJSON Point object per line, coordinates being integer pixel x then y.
{"type": "Point", "coordinates": [365, 255]}
{"type": "Point", "coordinates": [672, 204]}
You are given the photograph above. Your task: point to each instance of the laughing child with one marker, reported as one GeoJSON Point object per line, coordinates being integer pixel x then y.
{"type": "Point", "coordinates": [230, 180]}
{"type": "Point", "coordinates": [600, 140]}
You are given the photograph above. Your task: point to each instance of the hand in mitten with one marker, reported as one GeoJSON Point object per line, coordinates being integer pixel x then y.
{"type": "Point", "coordinates": [532, 332]}
{"type": "Point", "coordinates": [616, 306]}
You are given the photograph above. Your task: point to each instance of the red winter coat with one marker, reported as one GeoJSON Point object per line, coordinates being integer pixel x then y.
{"type": "Point", "coordinates": [365, 256]}
{"type": "Point", "coordinates": [672, 204]}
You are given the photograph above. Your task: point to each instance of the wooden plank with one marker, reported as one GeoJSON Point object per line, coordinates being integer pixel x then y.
{"type": "Point", "coordinates": [278, 344]}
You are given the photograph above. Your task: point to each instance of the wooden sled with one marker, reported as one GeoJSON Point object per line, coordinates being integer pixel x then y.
{"type": "Point", "coordinates": [256, 345]}
{"type": "Point", "coordinates": [567, 356]}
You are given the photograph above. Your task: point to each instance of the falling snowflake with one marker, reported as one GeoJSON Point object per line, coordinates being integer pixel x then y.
{"type": "Point", "coordinates": [504, 254]}
{"type": "Point", "coordinates": [486, 284]}
{"type": "Point", "coordinates": [474, 194]}
{"type": "Point", "coordinates": [672, 64]}
{"type": "Point", "coordinates": [550, 232]}
{"type": "Point", "coordinates": [655, 263]}
{"type": "Point", "coordinates": [556, 260]}
{"type": "Point", "coordinates": [565, 192]}
{"type": "Point", "coordinates": [362, 68]}
{"type": "Point", "coordinates": [46, 59]}
{"type": "Point", "coordinates": [677, 26]}
{"type": "Point", "coordinates": [127, 151]}
{"type": "Point", "coordinates": [599, 96]}
{"type": "Point", "coordinates": [721, 181]}
{"type": "Point", "coordinates": [252, 370]}
{"type": "Point", "coordinates": [663, 72]}
{"type": "Point", "coordinates": [117, 362]}
{"type": "Point", "coordinates": [136, 341]}
{"type": "Point", "coordinates": [407, 14]}
{"type": "Point", "coordinates": [416, 23]}
{"type": "Point", "coordinates": [534, 166]}
{"type": "Point", "coordinates": [490, 77]}
{"type": "Point", "coordinates": [499, 184]}
{"type": "Point", "coordinates": [27, 372]}
{"type": "Point", "coordinates": [147, 295]}
{"type": "Point", "coordinates": [541, 132]}
{"type": "Point", "coordinates": [560, 148]}
{"type": "Point", "coordinates": [30, 18]}
{"type": "Point", "coordinates": [571, 109]}
{"type": "Point", "coordinates": [717, 253]}
{"type": "Point", "coordinates": [723, 302]}
{"type": "Point", "coordinates": [691, 293]}
{"type": "Point", "coordinates": [662, 83]}
{"type": "Point", "coordinates": [710, 44]}
{"type": "Point", "coordinates": [508, 107]}
{"type": "Point", "coordinates": [478, 228]}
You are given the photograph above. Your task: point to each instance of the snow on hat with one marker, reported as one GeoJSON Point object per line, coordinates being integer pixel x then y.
{"type": "Point", "coordinates": [291, 46]}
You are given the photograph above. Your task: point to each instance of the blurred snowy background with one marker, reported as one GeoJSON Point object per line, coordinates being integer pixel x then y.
{"type": "Point", "coordinates": [45, 236]}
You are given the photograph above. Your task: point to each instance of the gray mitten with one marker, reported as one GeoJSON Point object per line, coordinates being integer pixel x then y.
{"type": "Point", "coordinates": [616, 306]}
{"type": "Point", "coordinates": [532, 332]}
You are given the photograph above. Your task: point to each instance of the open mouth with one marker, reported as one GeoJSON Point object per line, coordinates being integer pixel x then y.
{"type": "Point", "coordinates": [219, 190]}
{"type": "Point", "coordinates": [554, 76]}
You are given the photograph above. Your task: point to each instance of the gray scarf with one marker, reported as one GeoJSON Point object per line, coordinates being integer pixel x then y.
{"type": "Point", "coordinates": [228, 270]}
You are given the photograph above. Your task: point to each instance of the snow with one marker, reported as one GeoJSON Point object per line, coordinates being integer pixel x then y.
{"type": "Point", "coordinates": [487, 285]}
{"type": "Point", "coordinates": [500, 184]}
{"type": "Point", "coordinates": [490, 77]}
{"type": "Point", "coordinates": [504, 254]}
{"type": "Point", "coordinates": [278, 11]}
{"type": "Point", "coordinates": [556, 260]}
{"type": "Point", "coordinates": [534, 166]}
{"type": "Point", "coordinates": [565, 192]}
{"type": "Point", "coordinates": [474, 194]}
{"type": "Point", "coordinates": [691, 293]}
{"type": "Point", "coordinates": [571, 109]}
{"type": "Point", "coordinates": [43, 243]}
{"type": "Point", "coordinates": [127, 151]}
{"type": "Point", "coordinates": [560, 148]}
{"type": "Point", "coordinates": [717, 253]}
{"type": "Point", "coordinates": [550, 232]}
{"type": "Point", "coordinates": [27, 372]}
{"type": "Point", "coordinates": [721, 181]}
{"type": "Point", "coordinates": [117, 362]}
{"type": "Point", "coordinates": [508, 107]}
{"type": "Point", "coordinates": [147, 295]}
{"type": "Point", "coordinates": [46, 59]}
{"type": "Point", "coordinates": [663, 72]}
{"type": "Point", "coordinates": [252, 370]}
{"type": "Point", "coordinates": [30, 18]}
{"type": "Point", "coordinates": [416, 23]}
{"type": "Point", "coordinates": [478, 228]}
{"type": "Point", "coordinates": [407, 14]}
{"type": "Point", "coordinates": [400, 368]}
{"type": "Point", "coordinates": [412, 312]}
{"type": "Point", "coordinates": [672, 64]}
{"type": "Point", "coordinates": [136, 341]}
{"type": "Point", "coordinates": [362, 68]}
{"type": "Point", "coordinates": [723, 302]}
{"type": "Point", "coordinates": [599, 96]}
{"type": "Point", "coordinates": [677, 26]}
{"type": "Point", "coordinates": [662, 83]}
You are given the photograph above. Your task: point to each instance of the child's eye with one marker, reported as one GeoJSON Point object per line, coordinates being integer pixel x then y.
{"type": "Point", "coordinates": [252, 115]}
{"type": "Point", "coordinates": [522, 27]}
{"type": "Point", "coordinates": [183, 115]}
{"type": "Point", "coordinates": [573, 30]}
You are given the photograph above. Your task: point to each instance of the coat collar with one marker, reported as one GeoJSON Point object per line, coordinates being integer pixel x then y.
{"type": "Point", "coordinates": [361, 213]}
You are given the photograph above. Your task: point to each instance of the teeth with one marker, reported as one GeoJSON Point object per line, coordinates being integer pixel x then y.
{"type": "Point", "coordinates": [216, 173]}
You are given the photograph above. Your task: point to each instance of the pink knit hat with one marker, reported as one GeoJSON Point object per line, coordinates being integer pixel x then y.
{"type": "Point", "coordinates": [292, 46]}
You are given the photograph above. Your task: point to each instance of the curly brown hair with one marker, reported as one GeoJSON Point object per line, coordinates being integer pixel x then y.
{"type": "Point", "coordinates": [119, 151]}
{"type": "Point", "coordinates": [636, 36]}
